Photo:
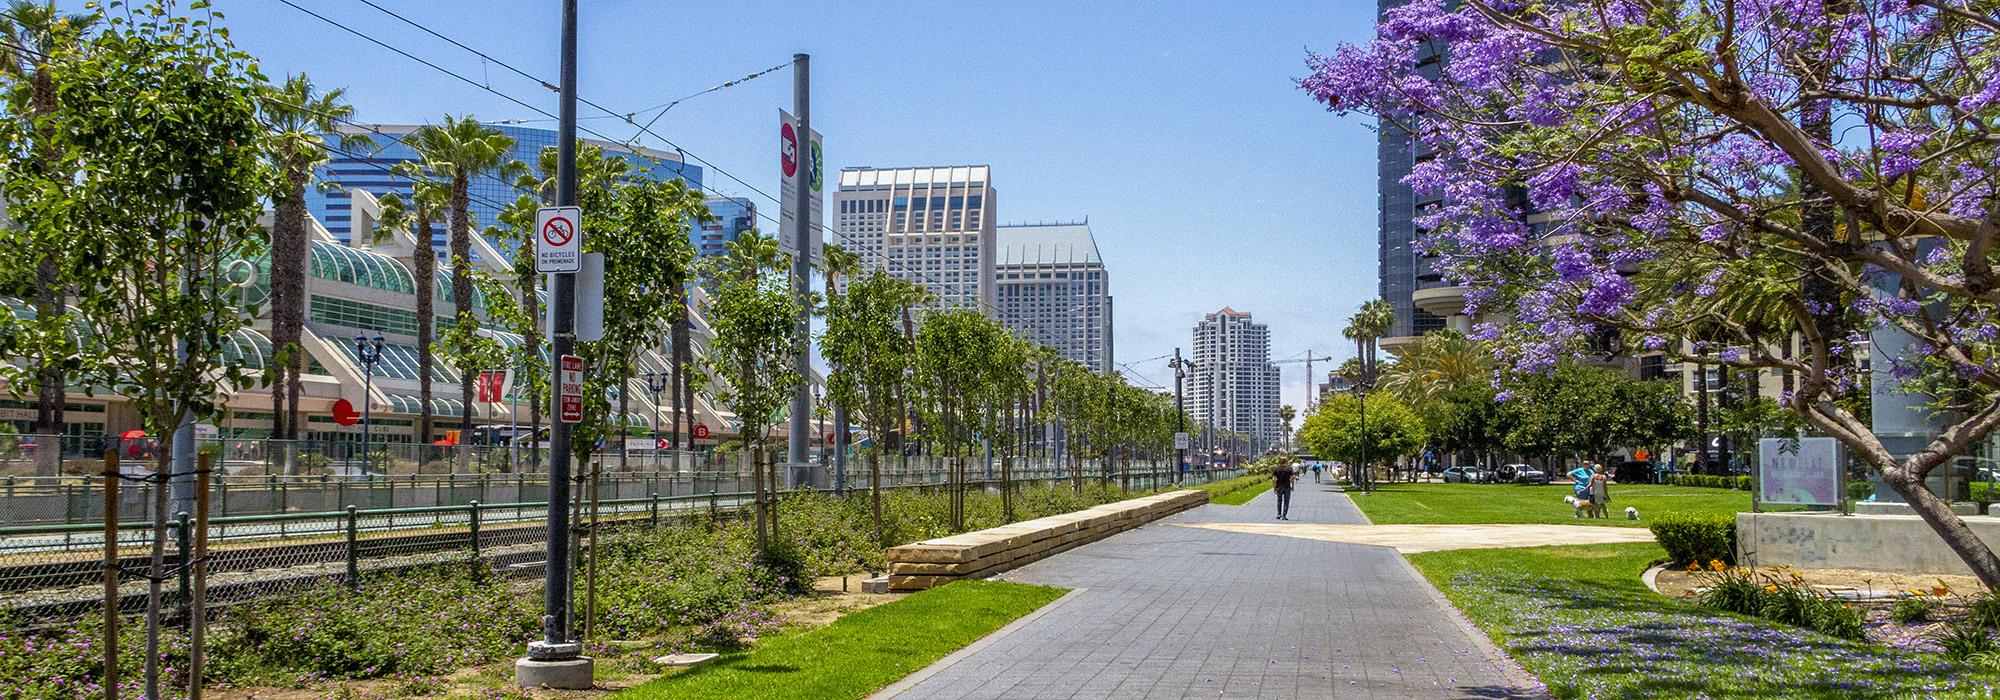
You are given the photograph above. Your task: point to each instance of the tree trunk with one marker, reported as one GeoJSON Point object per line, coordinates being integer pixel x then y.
{"type": "Point", "coordinates": [679, 357]}
{"type": "Point", "coordinates": [424, 264]}
{"type": "Point", "coordinates": [875, 489]}
{"type": "Point", "coordinates": [461, 306]}
{"type": "Point", "coordinates": [1936, 513]}
{"type": "Point", "coordinates": [533, 307]}
{"type": "Point", "coordinates": [754, 455]}
{"type": "Point", "coordinates": [51, 387]}
{"type": "Point", "coordinates": [1700, 419]}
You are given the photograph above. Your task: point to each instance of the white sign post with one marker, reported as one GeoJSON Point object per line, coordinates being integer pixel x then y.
{"type": "Point", "coordinates": [558, 239]}
{"type": "Point", "coordinates": [794, 155]}
{"type": "Point", "coordinates": [1180, 441]}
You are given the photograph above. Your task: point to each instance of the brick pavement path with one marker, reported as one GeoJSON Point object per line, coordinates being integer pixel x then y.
{"type": "Point", "coordinates": [1181, 612]}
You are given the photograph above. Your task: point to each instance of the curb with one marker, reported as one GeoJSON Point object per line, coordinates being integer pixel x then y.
{"type": "Point", "coordinates": [923, 674]}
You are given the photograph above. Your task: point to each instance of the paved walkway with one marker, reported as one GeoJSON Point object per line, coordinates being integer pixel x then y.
{"type": "Point", "coordinates": [1188, 612]}
{"type": "Point", "coordinates": [1412, 539]}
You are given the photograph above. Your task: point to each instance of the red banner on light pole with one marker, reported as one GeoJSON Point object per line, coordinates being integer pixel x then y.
{"type": "Point", "coordinates": [493, 386]}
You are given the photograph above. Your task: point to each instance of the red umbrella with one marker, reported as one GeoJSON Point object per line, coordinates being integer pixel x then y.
{"type": "Point", "coordinates": [132, 435]}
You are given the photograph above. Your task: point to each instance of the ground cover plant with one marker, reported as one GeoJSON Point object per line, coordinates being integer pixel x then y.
{"type": "Point", "coordinates": [1445, 504]}
{"type": "Point", "coordinates": [1579, 618]}
{"type": "Point", "coordinates": [859, 653]}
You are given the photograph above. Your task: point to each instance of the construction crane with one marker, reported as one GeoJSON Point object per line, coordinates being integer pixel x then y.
{"type": "Point", "coordinates": [1311, 390]}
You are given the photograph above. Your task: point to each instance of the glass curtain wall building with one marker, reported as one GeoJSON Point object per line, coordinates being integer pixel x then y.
{"type": "Point", "coordinates": [369, 167]}
{"type": "Point", "coordinates": [1054, 290]}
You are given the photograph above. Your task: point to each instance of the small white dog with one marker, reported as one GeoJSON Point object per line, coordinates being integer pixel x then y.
{"type": "Point", "coordinates": [1571, 500]}
{"type": "Point", "coordinates": [1631, 513]}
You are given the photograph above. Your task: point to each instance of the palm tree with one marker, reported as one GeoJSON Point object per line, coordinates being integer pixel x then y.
{"type": "Point", "coordinates": [416, 217]}
{"type": "Point", "coordinates": [1435, 366]}
{"type": "Point", "coordinates": [1286, 414]}
{"type": "Point", "coordinates": [34, 31]}
{"type": "Point", "coordinates": [1367, 325]}
{"type": "Point", "coordinates": [453, 153]}
{"type": "Point", "coordinates": [299, 117]}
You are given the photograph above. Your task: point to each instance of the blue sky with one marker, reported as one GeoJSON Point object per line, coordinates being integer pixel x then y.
{"type": "Point", "coordinates": [1208, 178]}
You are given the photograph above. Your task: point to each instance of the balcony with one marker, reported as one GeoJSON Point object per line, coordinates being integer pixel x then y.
{"type": "Point", "coordinates": [1441, 301]}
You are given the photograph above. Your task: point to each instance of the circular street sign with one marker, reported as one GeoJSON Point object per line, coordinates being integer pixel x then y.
{"type": "Point", "coordinates": [700, 431]}
{"type": "Point", "coordinates": [558, 231]}
{"type": "Point", "coordinates": [343, 413]}
{"type": "Point", "coordinates": [660, 443]}
{"type": "Point", "coordinates": [788, 149]}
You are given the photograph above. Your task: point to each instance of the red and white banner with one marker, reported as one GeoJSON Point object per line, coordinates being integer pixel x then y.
{"type": "Point", "coordinates": [493, 386]}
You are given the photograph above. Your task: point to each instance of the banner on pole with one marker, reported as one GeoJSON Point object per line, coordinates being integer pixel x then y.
{"type": "Point", "coordinates": [800, 161]}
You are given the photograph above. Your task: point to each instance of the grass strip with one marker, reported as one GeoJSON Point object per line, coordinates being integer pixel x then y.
{"type": "Point", "coordinates": [860, 653]}
{"type": "Point", "coordinates": [1579, 618]}
{"type": "Point", "coordinates": [1459, 504]}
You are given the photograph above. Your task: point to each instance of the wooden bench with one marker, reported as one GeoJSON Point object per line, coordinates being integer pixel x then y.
{"type": "Point", "coordinates": [921, 565]}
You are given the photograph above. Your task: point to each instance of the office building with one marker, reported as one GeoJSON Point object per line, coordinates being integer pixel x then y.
{"type": "Point", "coordinates": [930, 225]}
{"type": "Point", "coordinates": [733, 216]}
{"type": "Point", "coordinates": [368, 167]}
{"type": "Point", "coordinates": [1053, 289]}
{"type": "Point", "coordinates": [1234, 386]}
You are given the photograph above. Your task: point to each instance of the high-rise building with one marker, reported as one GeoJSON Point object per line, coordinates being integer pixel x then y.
{"type": "Point", "coordinates": [733, 216]}
{"type": "Point", "coordinates": [1053, 289]}
{"type": "Point", "coordinates": [1403, 270]}
{"type": "Point", "coordinates": [368, 167]}
{"type": "Point", "coordinates": [932, 225]}
{"type": "Point", "coordinates": [1234, 386]}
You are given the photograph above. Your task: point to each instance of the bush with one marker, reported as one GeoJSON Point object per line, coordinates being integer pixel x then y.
{"type": "Point", "coordinates": [1696, 537]}
{"type": "Point", "coordinates": [1782, 599]}
{"type": "Point", "coordinates": [1740, 594]}
{"type": "Point", "coordinates": [1913, 609]}
{"type": "Point", "coordinates": [1860, 490]}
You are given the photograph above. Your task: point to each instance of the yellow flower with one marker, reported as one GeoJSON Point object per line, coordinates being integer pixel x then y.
{"type": "Point", "coordinates": [1717, 565]}
{"type": "Point", "coordinates": [1940, 591]}
{"type": "Point", "coordinates": [1771, 588]}
{"type": "Point", "coordinates": [1692, 566]}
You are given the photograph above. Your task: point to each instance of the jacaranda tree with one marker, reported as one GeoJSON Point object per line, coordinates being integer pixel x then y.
{"type": "Point", "coordinates": [1749, 183]}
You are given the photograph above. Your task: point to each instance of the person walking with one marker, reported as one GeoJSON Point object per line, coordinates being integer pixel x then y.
{"type": "Point", "coordinates": [1282, 477]}
{"type": "Point", "coordinates": [1600, 493]}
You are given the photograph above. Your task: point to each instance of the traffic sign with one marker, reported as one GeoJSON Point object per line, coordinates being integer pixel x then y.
{"type": "Point", "coordinates": [570, 390]}
{"type": "Point", "coordinates": [1180, 441]}
{"type": "Point", "coordinates": [558, 239]}
{"type": "Point", "coordinates": [700, 431]}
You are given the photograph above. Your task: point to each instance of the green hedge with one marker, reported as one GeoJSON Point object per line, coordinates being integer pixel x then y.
{"type": "Point", "coordinates": [1696, 537]}
{"type": "Point", "coordinates": [1860, 490]}
{"type": "Point", "coordinates": [1707, 481]}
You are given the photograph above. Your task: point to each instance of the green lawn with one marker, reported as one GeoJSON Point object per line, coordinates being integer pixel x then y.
{"type": "Point", "coordinates": [1579, 619]}
{"type": "Point", "coordinates": [1242, 495]}
{"type": "Point", "coordinates": [1453, 504]}
{"type": "Point", "coordinates": [859, 653]}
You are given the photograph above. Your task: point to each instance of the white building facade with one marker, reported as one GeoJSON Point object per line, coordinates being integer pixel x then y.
{"type": "Point", "coordinates": [930, 225]}
{"type": "Point", "coordinates": [1053, 289]}
{"type": "Point", "coordinates": [1234, 386]}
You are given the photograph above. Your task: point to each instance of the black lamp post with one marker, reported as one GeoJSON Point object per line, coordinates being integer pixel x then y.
{"type": "Point", "coordinates": [369, 352]}
{"type": "Point", "coordinates": [656, 381]}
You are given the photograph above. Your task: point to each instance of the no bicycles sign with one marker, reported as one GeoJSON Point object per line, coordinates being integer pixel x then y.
{"type": "Point", "coordinates": [558, 239]}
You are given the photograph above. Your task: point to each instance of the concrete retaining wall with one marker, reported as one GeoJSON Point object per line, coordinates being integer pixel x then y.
{"type": "Point", "coordinates": [1896, 543]}
{"type": "Point", "coordinates": [921, 565]}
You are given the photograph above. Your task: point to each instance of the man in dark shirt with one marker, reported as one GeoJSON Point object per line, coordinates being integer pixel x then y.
{"type": "Point", "coordinates": [1281, 485]}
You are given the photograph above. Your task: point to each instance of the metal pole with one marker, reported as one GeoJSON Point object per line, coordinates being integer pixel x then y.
{"type": "Point", "coordinates": [556, 644]}
{"type": "Point", "coordinates": [800, 423]}
{"type": "Point", "coordinates": [1180, 412]}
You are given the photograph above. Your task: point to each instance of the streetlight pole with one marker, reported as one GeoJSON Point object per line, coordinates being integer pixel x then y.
{"type": "Point", "coordinates": [1180, 414]}
{"type": "Point", "coordinates": [657, 381]}
{"type": "Point", "coordinates": [368, 351]}
{"type": "Point", "coordinates": [556, 660]}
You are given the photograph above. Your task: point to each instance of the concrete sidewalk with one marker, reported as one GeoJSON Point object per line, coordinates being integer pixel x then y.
{"type": "Point", "coordinates": [1191, 612]}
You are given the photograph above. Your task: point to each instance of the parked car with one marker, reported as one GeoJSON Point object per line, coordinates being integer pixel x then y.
{"type": "Point", "coordinates": [1633, 472]}
{"type": "Point", "coordinates": [1466, 475]}
{"type": "Point", "coordinates": [1524, 474]}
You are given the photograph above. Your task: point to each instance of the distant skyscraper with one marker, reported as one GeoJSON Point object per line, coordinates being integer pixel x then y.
{"type": "Point", "coordinates": [1053, 290]}
{"type": "Point", "coordinates": [733, 216]}
{"type": "Point", "coordinates": [1234, 386]}
{"type": "Point", "coordinates": [366, 167]}
{"type": "Point", "coordinates": [932, 226]}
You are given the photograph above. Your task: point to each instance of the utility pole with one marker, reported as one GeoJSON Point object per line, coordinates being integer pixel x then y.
{"type": "Point", "coordinates": [801, 418]}
{"type": "Point", "coordinates": [1180, 412]}
{"type": "Point", "coordinates": [557, 660]}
